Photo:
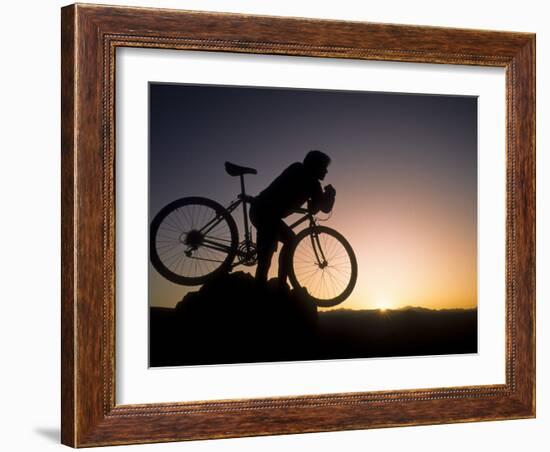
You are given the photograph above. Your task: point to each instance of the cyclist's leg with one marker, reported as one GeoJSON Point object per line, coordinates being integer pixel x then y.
{"type": "Point", "coordinates": [287, 236]}
{"type": "Point", "coordinates": [266, 242]}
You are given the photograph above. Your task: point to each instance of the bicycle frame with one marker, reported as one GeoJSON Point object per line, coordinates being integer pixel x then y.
{"type": "Point", "coordinates": [250, 248]}
{"type": "Point", "coordinates": [245, 199]}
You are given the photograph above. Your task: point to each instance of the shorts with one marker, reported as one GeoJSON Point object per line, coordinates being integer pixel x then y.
{"type": "Point", "coordinates": [269, 229]}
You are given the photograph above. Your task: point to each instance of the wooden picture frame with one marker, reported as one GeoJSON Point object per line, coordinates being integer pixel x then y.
{"type": "Point", "coordinates": [90, 36]}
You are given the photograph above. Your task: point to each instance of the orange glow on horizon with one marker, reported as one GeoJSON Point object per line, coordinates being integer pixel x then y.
{"type": "Point", "coordinates": [404, 167]}
{"type": "Point", "coordinates": [415, 246]}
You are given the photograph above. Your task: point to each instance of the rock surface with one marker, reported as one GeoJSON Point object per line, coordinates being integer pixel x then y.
{"type": "Point", "coordinates": [232, 319]}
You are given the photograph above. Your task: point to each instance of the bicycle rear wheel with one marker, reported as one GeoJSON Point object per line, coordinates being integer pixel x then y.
{"type": "Point", "coordinates": [323, 262]}
{"type": "Point", "coordinates": [191, 240]}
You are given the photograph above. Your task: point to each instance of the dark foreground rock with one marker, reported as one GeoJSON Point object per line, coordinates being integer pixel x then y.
{"type": "Point", "coordinates": [233, 320]}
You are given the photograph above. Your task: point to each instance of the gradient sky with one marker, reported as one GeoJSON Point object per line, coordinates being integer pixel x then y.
{"type": "Point", "coordinates": [404, 167]}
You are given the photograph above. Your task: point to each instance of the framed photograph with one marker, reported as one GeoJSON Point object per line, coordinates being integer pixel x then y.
{"type": "Point", "coordinates": [280, 225]}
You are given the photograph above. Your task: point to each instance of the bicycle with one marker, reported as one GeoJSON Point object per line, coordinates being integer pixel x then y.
{"type": "Point", "coordinates": [193, 239]}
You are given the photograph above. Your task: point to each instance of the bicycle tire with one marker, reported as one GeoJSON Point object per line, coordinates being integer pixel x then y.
{"type": "Point", "coordinates": [196, 203]}
{"type": "Point", "coordinates": [346, 290]}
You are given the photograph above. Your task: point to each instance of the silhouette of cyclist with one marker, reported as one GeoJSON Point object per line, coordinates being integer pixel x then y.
{"type": "Point", "coordinates": [296, 185]}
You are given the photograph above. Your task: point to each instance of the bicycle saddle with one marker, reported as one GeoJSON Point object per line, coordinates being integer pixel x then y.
{"type": "Point", "coordinates": [236, 170]}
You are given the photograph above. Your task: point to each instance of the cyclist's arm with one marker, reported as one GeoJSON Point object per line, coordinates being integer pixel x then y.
{"type": "Point", "coordinates": [320, 201]}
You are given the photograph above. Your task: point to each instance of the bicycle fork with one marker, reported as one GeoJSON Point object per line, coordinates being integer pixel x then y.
{"type": "Point", "coordinates": [319, 255]}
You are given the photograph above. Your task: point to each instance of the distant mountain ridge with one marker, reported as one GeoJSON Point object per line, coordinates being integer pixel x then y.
{"type": "Point", "coordinates": [404, 308]}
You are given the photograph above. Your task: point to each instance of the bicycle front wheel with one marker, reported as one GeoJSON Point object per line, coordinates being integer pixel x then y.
{"type": "Point", "coordinates": [323, 262]}
{"type": "Point", "coordinates": [191, 240]}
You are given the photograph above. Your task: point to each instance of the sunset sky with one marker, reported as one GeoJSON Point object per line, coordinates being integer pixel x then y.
{"type": "Point", "coordinates": [404, 167]}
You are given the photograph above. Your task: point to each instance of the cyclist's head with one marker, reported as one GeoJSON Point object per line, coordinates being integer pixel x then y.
{"type": "Point", "coordinates": [317, 163]}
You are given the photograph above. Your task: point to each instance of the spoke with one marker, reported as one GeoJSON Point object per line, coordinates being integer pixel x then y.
{"type": "Point", "coordinates": [168, 254]}
{"type": "Point", "coordinates": [304, 266]}
{"type": "Point", "coordinates": [199, 263]}
{"type": "Point", "coordinates": [318, 283]}
{"type": "Point", "coordinates": [309, 278]}
{"type": "Point", "coordinates": [165, 247]}
{"type": "Point", "coordinates": [342, 284]}
{"type": "Point", "coordinates": [193, 214]}
{"type": "Point", "coordinates": [179, 261]}
{"type": "Point", "coordinates": [185, 216]}
{"type": "Point", "coordinates": [168, 237]}
{"type": "Point", "coordinates": [212, 256]}
{"type": "Point", "coordinates": [167, 242]}
{"type": "Point", "coordinates": [176, 222]}
{"type": "Point", "coordinates": [339, 279]}
{"type": "Point", "coordinates": [335, 249]}
{"type": "Point", "coordinates": [206, 259]}
{"type": "Point", "coordinates": [324, 284]}
{"type": "Point", "coordinates": [171, 260]}
{"type": "Point", "coordinates": [328, 247]}
{"type": "Point", "coordinates": [172, 222]}
{"type": "Point", "coordinates": [201, 217]}
{"type": "Point", "coordinates": [307, 271]}
{"type": "Point", "coordinates": [306, 251]}
{"type": "Point", "coordinates": [340, 258]}
{"type": "Point", "coordinates": [321, 284]}
{"type": "Point", "coordinates": [346, 269]}
{"type": "Point", "coordinates": [330, 285]}
{"type": "Point", "coordinates": [209, 256]}
{"type": "Point", "coordinates": [335, 284]}
{"type": "Point", "coordinates": [340, 255]}
{"type": "Point", "coordinates": [170, 228]}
